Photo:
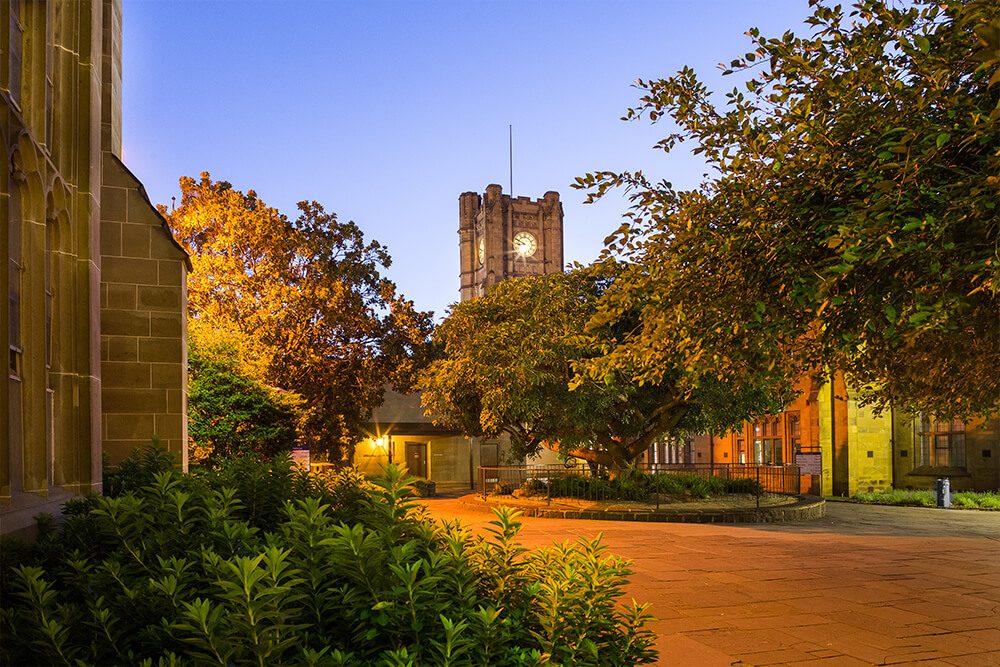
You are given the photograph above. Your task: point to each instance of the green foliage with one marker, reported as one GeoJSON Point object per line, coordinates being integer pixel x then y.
{"type": "Point", "coordinates": [897, 497]}
{"type": "Point", "coordinates": [849, 220]}
{"type": "Point", "coordinates": [743, 485]}
{"type": "Point", "coordinates": [510, 365]}
{"type": "Point", "coordinates": [977, 500]}
{"type": "Point", "coordinates": [635, 485]}
{"type": "Point", "coordinates": [304, 302]}
{"type": "Point", "coordinates": [200, 569]}
{"type": "Point", "coordinates": [965, 499]}
{"type": "Point", "coordinates": [231, 413]}
{"type": "Point", "coordinates": [138, 470]}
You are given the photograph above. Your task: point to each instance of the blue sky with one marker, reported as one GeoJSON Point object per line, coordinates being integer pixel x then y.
{"type": "Point", "coordinates": [385, 112]}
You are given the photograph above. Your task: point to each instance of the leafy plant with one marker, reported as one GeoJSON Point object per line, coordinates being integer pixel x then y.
{"type": "Point", "coordinates": [253, 563]}
{"type": "Point", "coordinates": [636, 485]}
{"type": "Point", "coordinates": [511, 363]}
{"type": "Point", "coordinates": [897, 497]}
{"type": "Point", "coordinates": [232, 413]}
{"type": "Point", "coordinates": [848, 216]}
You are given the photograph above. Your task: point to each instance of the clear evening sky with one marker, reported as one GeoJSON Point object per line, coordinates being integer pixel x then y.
{"type": "Point", "coordinates": [384, 112]}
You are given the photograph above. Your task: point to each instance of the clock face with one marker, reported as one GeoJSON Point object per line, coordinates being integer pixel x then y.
{"type": "Point", "coordinates": [525, 244]}
{"type": "Point", "coordinates": [482, 251]}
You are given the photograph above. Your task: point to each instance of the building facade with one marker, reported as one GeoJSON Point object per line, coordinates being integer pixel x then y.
{"type": "Point", "coordinates": [504, 237]}
{"type": "Point", "coordinates": [95, 318]}
{"type": "Point", "coordinates": [846, 448]}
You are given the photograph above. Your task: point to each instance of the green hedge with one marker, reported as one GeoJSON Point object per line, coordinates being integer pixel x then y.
{"type": "Point", "coordinates": [923, 498]}
{"type": "Point", "coordinates": [636, 485]}
{"type": "Point", "coordinates": [257, 564]}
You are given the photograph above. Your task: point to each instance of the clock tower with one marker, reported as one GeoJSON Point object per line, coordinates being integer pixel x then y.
{"type": "Point", "coordinates": [504, 237]}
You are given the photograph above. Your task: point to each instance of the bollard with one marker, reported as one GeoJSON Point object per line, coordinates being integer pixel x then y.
{"type": "Point", "coordinates": [942, 490]}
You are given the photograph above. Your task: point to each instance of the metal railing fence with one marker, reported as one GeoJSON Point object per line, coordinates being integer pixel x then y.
{"type": "Point", "coordinates": [578, 482]}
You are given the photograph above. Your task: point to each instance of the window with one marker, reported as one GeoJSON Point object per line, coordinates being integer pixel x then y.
{"type": "Point", "coordinates": [767, 445]}
{"type": "Point", "coordinates": [50, 243]}
{"type": "Point", "coordinates": [942, 443]}
{"type": "Point", "coordinates": [14, 416]}
{"type": "Point", "coordinates": [794, 430]}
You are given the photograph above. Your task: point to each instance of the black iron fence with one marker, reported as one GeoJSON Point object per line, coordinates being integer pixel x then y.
{"type": "Point", "coordinates": [772, 478]}
{"type": "Point", "coordinates": [579, 481]}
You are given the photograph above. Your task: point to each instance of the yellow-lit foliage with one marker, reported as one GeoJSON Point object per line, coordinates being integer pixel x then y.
{"type": "Point", "coordinates": [303, 301]}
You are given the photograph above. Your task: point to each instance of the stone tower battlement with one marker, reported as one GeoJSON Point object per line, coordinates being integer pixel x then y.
{"type": "Point", "coordinates": [503, 237]}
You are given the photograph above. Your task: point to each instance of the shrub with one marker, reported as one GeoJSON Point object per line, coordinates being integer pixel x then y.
{"type": "Point", "coordinates": [252, 564]}
{"type": "Point", "coordinates": [138, 470]}
{"type": "Point", "coordinates": [502, 488]}
{"type": "Point", "coordinates": [233, 413]}
{"type": "Point", "coordinates": [742, 485]}
{"type": "Point", "coordinates": [989, 500]}
{"type": "Point", "coordinates": [897, 497]}
{"type": "Point", "coordinates": [634, 485]}
{"type": "Point", "coordinates": [976, 500]}
{"type": "Point", "coordinates": [534, 487]}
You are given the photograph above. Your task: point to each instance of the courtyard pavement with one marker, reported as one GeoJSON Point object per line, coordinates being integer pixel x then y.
{"type": "Point", "coordinates": [866, 585]}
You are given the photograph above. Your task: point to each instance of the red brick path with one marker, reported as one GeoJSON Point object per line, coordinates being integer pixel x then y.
{"type": "Point", "coordinates": [864, 586]}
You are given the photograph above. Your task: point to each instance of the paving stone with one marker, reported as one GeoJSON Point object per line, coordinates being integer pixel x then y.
{"type": "Point", "coordinates": [988, 659]}
{"type": "Point", "coordinates": [686, 651]}
{"type": "Point", "coordinates": [839, 660]}
{"type": "Point", "coordinates": [854, 588]}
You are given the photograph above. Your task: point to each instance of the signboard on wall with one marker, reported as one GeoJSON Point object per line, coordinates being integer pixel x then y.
{"type": "Point", "coordinates": [810, 463]}
{"type": "Point", "coordinates": [300, 456]}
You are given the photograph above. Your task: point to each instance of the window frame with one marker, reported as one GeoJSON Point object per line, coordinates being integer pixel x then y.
{"type": "Point", "coordinates": [942, 443]}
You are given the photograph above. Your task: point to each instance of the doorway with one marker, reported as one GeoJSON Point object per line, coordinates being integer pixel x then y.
{"type": "Point", "coordinates": [416, 458]}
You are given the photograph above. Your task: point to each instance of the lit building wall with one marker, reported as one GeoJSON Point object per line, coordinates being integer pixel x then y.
{"type": "Point", "coordinates": [60, 126]}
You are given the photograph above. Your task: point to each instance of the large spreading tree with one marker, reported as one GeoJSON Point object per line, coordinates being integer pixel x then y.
{"type": "Point", "coordinates": [508, 363]}
{"type": "Point", "coordinates": [850, 219]}
{"type": "Point", "coordinates": [305, 303]}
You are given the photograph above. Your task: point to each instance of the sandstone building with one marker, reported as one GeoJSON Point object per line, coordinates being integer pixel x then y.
{"type": "Point", "coordinates": [95, 318]}
{"type": "Point", "coordinates": [857, 450]}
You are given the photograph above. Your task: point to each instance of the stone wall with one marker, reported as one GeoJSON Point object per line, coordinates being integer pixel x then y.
{"type": "Point", "coordinates": [143, 322]}
{"type": "Point", "coordinates": [870, 451]}
{"type": "Point", "coordinates": [981, 471]}
{"type": "Point", "coordinates": [50, 130]}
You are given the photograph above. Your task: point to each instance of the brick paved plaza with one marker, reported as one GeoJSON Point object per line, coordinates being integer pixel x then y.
{"type": "Point", "coordinates": [864, 586]}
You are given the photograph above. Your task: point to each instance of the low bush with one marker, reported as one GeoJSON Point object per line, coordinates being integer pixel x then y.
{"type": "Point", "coordinates": [253, 564]}
{"type": "Point", "coordinates": [534, 487]}
{"type": "Point", "coordinates": [989, 500]}
{"type": "Point", "coordinates": [743, 485]}
{"type": "Point", "coordinates": [977, 500]}
{"type": "Point", "coordinates": [897, 497]}
{"type": "Point", "coordinates": [635, 485]}
{"type": "Point", "coordinates": [922, 498]}
{"type": "Point", "coordinates": [502, 488]}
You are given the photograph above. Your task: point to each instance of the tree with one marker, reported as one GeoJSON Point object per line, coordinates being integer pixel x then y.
{"type": "Point", "coordinates": [850, 220]}
{"type": "Point", "coordinates": [230, 413]}
{"type": "Point", "coordinates": [306, 303]}
{"type": "Point", "coordinates": [508, 364]}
